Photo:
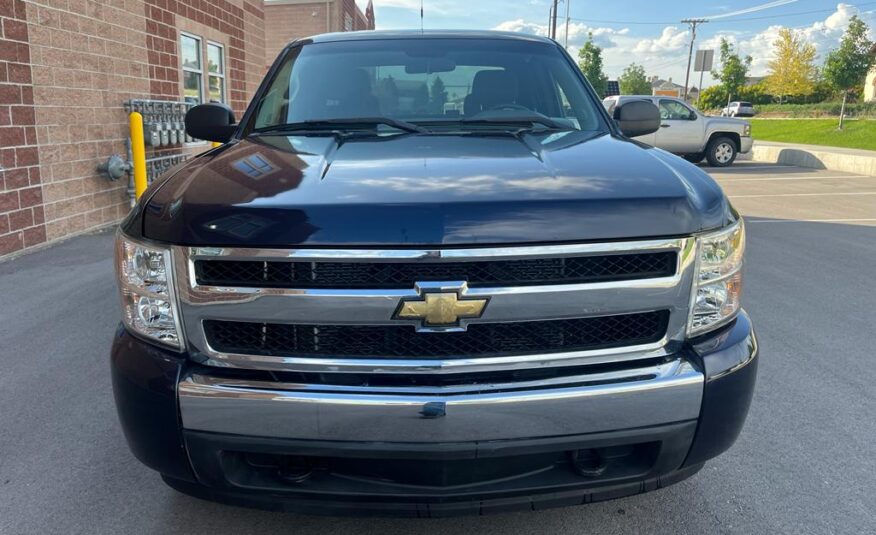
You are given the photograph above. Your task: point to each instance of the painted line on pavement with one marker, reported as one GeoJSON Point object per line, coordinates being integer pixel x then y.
{"type": "Point", "coordinates": [829, 177]}
{"type": "Point", "coordinates": [844, 193]}
{"type": "Point", "coordinates": [750, 167]}
{"type": "Point", "coordinates": [858, 220]}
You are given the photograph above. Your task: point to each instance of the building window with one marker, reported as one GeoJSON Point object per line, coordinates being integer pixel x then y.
{"type": "Point", "coordinates": [193, 74]}
{"type": "Point", "coordinates": [215, 72]}
{"type": "Point", "coordinates": [255, 166]}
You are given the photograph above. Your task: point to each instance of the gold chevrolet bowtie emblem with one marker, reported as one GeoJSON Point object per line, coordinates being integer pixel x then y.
{"type": "Point", "coordinates": [441, 308]}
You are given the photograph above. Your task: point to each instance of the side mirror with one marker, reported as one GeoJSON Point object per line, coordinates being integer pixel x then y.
{"type": "Point", "coordinates": [211, 122]}
{"type": "Point", "coordinates": [637, 118]}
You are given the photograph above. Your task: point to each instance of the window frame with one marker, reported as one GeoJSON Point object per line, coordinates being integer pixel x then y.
{"type": "Point", "coordinates": [221, 75]}
{"type": "Point", "coordinates": [183, 68]}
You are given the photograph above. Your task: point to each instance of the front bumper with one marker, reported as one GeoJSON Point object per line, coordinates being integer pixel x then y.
{"type": "Point", "coordinates": [745, 144]}
{"type": "Point", "coordinates": [432, 454]}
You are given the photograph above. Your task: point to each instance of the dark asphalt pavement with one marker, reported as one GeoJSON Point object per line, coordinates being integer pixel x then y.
{"type": "Point", "coordinates": [805, 463]}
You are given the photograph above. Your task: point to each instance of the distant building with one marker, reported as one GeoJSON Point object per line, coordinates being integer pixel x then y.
{"type": "Point", "coordinates": [666, 88]}
{"type": "Point", "coordinates": [287, 20]}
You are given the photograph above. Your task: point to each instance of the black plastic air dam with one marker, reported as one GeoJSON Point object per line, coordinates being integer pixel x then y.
{"type": "Point", "coordinates": [526, 502]}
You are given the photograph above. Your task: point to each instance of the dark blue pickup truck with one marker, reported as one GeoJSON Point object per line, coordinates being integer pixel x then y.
{"type": "Point", "coordinates": [427, 274]}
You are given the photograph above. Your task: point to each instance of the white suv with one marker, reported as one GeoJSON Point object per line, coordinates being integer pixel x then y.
{"type": "Point", "coordinates": [688, 133]}
{"type": "Point", "coordinates": [739, 109]}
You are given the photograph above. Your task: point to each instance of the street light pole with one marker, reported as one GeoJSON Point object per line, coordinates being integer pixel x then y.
{"type": "Point", "coordinates": [554, 21]}
{"type": "Point", "coordinates": [693, 35]}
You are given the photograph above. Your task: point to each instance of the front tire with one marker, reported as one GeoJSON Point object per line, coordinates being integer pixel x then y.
{"type": "Point", "coordinates": [721, 152]}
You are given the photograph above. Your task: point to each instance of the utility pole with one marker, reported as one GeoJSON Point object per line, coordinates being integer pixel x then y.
{"type": "Point", "coordinates": [554, 21]}
{"type": "Point", "coordinates": [568, 4]}
{"type": "Point", "coordinates": [693, 35]}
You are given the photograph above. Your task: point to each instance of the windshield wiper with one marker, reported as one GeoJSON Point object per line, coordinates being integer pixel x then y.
{"type": "Point", "coordinates": [339, 124]}
{"type": "Point", "coordinates": [517, 120]}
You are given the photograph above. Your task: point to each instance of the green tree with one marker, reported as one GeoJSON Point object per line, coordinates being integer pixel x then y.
{"type": "Point", "coordinates": [633, 81]}
{"type": "Point", "coordinates": [590, 63]}
{"type": "Point", "coordinates": [438, 95]}
{"type": "Point", "coordinates": [733, 69]}
{"type": "Point", "coordinates": [792, 69]}
{"type": "Point", "coordinates": [846, 67]}
{"type": "Point", "coordinates": [712, 98]}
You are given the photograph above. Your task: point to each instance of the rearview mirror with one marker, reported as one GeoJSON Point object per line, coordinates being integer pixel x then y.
{"type": "Point", "coordinates": [429, 65]}
{"type": "Point", "coordinates": [637, 118]}
{"type": "Point", "coordinates": [211, 122]}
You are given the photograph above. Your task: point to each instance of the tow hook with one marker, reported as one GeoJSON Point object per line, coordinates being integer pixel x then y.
{"type": "Point", "coordinates": [588, 463]}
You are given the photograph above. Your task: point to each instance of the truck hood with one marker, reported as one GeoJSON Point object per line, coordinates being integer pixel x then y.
{"type": "Point", "coordinates": [407, 190]}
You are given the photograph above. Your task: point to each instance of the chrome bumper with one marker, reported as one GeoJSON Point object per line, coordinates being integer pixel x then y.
{"type": "Point", "coordinates": [637, 397]}
{"type": "Point", "coordinates": [745, 144]}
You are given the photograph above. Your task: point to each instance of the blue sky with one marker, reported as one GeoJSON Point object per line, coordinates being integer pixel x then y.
{"type": "Point", "coordinates": [641, 31]}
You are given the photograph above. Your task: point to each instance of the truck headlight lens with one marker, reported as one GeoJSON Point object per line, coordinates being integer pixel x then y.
{"type": "Point", "coordinates": [717, 287]}
{"type": "Point", "coordinates": [145, 276]}
{"type": "Point", "coordinates": [746, 130]}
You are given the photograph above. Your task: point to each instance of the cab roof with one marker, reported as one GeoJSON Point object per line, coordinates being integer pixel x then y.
{"type": "Point", "coordinates": [373, 35]}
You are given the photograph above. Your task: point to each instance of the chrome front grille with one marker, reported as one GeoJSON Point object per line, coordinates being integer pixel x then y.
{"type": "Point", "coordinates": [401, 275]}
{"type": "Point", "coordinates": [403, 341]}
{"type": "Point", "coordinates": [334, 311]}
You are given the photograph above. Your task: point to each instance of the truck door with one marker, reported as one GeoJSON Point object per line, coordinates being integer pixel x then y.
{"type": "Point", "coordinates": [681, 128]}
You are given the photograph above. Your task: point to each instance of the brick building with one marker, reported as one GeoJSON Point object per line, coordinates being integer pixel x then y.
{"type": "Point", "coordinates": [287, 20]}
{"type": "Point", "coordinates": [68, 66]}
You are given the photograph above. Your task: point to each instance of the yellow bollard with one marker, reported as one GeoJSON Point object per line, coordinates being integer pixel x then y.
{"type": "Point", "coordinates": [215, 144]}
{"type": "Point", "coordinates": [138, 153]}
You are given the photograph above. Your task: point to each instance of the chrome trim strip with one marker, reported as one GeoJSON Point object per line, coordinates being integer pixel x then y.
{"type": "Point", "coordinates": [659, 394]}
{"type": "Point", "coordinates": [435, 366]}
{"type": "Point", "coordinates": [376, 307]}
{"type": "Point", "coordinates": [467, 254]}
{"type": "Point", "coordinates": [627, 374]}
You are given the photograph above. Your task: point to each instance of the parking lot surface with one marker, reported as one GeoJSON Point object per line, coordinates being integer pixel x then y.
{"type": "Point", "coordinates": [805, 463]}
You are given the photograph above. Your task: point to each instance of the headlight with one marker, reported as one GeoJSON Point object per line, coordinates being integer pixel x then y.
{"type": "Point", "coordinates": [717, 286]}
{"type": "Point", "coordinates": [145, 276]}
{"type": "Point", "coordinates": [746, 130]}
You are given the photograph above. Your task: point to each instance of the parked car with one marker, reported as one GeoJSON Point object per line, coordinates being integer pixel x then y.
{"type": "Point", "coordinates": [738, 109]}
{"type": "Point", "coordinates": [688, 133]}
{"type": "Point", "coordinates": [361, 303]}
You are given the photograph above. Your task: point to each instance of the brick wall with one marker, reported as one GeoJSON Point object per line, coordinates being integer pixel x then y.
{"type": "Point", "coordinates": [87, 58]}
{"type": "Point", "coordinates": [285, 22]}
{"type": "Point", "coordinates": [224, 21]}
{"type": "Point", "coordinates": [22, 218]}
{"type": "Point", "coordinates": [66, 68]}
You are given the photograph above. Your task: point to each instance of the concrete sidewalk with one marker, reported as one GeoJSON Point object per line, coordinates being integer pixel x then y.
{"type": "Point", "coordinates": [859, 162]}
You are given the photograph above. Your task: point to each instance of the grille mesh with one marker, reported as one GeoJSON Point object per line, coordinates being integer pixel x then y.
{"type": "Point", "coordinates": [396, 275]}
{"type": "Point", "coordinates": [403, 341]}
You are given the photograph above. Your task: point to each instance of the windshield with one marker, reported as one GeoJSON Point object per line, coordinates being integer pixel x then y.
{"type": "Point", "coordinates": [442, 83]}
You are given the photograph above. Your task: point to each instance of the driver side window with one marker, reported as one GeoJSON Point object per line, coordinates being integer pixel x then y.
{"type": "Point", "coordinates": [671, 110]}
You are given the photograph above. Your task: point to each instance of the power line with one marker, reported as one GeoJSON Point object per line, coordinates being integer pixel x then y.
{"type": "Point", "coordinates": [764, 17]}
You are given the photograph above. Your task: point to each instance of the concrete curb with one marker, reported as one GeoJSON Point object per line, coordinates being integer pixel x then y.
{"type": "Point", "coordinates": [859, 162]}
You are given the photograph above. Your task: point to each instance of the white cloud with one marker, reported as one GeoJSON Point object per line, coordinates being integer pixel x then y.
{"type": "Point", "coordinates": [824, 34]}
{"type": "Point", "coordinates": [403, 4]}
{"type": "Point", "coordinates": [578, 32]}
{"type": "Point", "coordinates": [671, 39]}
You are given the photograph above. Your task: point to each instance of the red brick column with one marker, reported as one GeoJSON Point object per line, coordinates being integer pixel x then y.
{"type": "Point", "coordinates": [22, 220]}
